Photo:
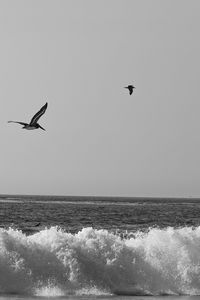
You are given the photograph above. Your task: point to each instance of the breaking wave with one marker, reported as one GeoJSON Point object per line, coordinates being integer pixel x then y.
{"type": "Point", "coordinates": [57, 263]}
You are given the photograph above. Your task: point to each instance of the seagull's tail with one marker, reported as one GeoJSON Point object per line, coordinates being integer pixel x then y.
{"type": "Point", "coordinates": [41, 127]}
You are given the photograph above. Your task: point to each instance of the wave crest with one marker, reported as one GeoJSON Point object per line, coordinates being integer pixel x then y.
{"type": "Point", "coordinates": [161, 261]}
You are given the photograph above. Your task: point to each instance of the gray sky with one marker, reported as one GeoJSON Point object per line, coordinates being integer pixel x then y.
{"type": "Point", "coordinates": [78, 55]}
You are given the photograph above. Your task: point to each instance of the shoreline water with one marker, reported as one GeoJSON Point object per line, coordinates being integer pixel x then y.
{"type": "Point", "coordinates": [112, 297]}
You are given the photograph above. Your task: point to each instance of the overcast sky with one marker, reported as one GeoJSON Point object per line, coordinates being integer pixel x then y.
{"type": "Point", "coordinates": [78, 56]}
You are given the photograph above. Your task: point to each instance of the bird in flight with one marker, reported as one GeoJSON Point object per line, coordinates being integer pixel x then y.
{"type": "Point", "coordinates": [130, 88]}
{"type": "Point", "coordinates": [33, 123]}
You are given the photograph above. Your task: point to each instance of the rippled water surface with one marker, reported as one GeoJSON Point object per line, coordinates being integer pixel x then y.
{"type": "Point", "coordinates": [73, 213]}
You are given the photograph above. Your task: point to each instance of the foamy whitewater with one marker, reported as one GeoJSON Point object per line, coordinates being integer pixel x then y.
{"type": "Point", "coordinates": [89, 247]}
{"type": "Point", "coordinates": [97, 262]}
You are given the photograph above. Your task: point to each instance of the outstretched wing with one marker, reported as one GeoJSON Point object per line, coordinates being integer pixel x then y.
{"type": "Point", "coordinates": [22, 123]}
{"type": "Point", "coordinates": [130, 88]}
{"type": "Point", "coordinates": [36, 117]}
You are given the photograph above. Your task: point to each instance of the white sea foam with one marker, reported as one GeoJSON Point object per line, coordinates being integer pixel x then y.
{"type": "Point", "coordinates": [54, 262]}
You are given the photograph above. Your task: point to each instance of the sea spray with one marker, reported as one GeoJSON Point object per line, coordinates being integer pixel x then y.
{"type": "Point", "coordinates": [52, 261]}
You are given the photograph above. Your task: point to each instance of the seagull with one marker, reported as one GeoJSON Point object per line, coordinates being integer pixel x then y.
{"type": "Point", "coordinates": [33, 124]}
{"type": "Point", "coordinates": [130, 88]}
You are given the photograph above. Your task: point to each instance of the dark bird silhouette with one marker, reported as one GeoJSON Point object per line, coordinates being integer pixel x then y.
{"type": "Point", "coordinates": [37, 224]}
{"type": "Point", "coordinates": [33, 124]}
{"type": "Point", "coordinates": [130, 88]}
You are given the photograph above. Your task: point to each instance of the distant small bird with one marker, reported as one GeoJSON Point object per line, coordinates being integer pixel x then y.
{"type": "Point", "coordinates": [37, 224]}
{"type": "Point", "coordinates": [130, 88]}
{"type": "Point", "coordinates": [33, 124]}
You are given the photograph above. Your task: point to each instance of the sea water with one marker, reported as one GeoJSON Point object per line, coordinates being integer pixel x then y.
{"type": "Point", "coordinates": [91, 247]}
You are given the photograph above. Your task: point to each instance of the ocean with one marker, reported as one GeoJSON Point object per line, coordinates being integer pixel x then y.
{"type": "Point", "coordinates": [99, 247]}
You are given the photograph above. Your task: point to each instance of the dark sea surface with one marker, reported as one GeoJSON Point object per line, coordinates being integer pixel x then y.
{"type": "Point", "coordinates": [30, 213]}
{"type": "Point", "coordinates": [88, 247]}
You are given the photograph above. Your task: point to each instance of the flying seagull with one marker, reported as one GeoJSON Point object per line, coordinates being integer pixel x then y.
{"type": "Point", "coordinates": [130, 88]}
{"type": "Point", "coordinates": [33, 124]}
